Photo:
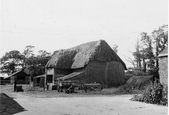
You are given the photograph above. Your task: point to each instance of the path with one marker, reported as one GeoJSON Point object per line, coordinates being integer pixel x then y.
{"type": "Point", "coordinates": [99, 105]}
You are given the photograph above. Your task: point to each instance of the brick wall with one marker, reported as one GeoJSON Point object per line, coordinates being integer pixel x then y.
{"type": "Point", "coordinates": [163, 69]}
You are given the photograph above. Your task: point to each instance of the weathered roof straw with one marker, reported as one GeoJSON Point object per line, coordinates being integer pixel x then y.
{"type": "Point", "coordinates": [80, 56]}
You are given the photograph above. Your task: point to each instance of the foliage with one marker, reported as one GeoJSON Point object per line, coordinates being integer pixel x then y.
{"type": "Point", "coordinates": [127, 76]}
{"type": "Point", "coordinates": [164, 99]}
{"type": "Point", "coordinates": [139, 82]}
{"type": "Point", "coordinates": [139, 73]}
{"type": "Point", "coordinates": [14, 60]}
{"type": "Point", "coordinates": [160, 37]}
{"type": "Point", "coordinates": [148, 48]}
{"type": "Point", "coordinates": [154, 72]}
{"type": "Point", "coordinates": [155, 93]}
{"type": "Point", "coordinates": [36, 64]}
{"type": "Point", "coordinates": [11, 61]}
{"type": "Point", "coordinates": [137, 54]}
{"type": "Point", "coordinates": [135, 72]}
{"type": "Point", "coordinates": [115, 46]}
{"type": "Point", "coordinates": [124, 89]}
{"type": "Point", "coordinates": [28, 52]}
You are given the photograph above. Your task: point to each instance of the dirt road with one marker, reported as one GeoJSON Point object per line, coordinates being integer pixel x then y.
{"type": "Point", "coordinates": [96, 105]}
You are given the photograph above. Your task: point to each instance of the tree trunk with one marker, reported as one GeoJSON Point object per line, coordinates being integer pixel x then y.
{"type": "Point", "coordinates": [139, 63]}
{"type": "Point", "coordinates": [157, 52]}
{"type": "Point", "coordinates": [144, 65]}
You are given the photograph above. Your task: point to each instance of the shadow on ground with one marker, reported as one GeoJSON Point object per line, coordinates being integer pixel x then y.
{"type": "Point", "coordinates": [8, 106]}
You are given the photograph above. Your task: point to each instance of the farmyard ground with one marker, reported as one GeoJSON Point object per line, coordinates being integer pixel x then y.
{"type": "Point", "coordinates": [65, 104]}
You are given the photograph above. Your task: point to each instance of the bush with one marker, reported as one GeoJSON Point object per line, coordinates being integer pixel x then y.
{"type": "Point", "coordinates": [164, 100]}
{"type": "Point", "coordinates": [137, 98]}
{"type": "Point", "coordinates": [135, 72]}
{"type": "Point", "coordinates": [155, 93]}
{"type": "Point", "coordinates": [139, 82]}
{"type": "Point", "coordinates": [127, 76]}
{"type": "Point", "coordinates": [124, 89]}
{"type": "Point", "coordinates": [139, 73]}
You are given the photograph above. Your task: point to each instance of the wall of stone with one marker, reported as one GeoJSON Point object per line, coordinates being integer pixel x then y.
{"type": "Point", "coordinates": [163, 69]}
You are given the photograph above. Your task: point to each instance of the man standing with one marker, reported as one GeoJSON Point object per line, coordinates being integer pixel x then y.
{"type": "Point", "coordinates": [15, 82]}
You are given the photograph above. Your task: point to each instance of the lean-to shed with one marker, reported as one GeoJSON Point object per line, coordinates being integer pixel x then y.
{"type": "Point", "coordinates": [22, 76]}
{"type": "Point", "coordinates": [89, 62]}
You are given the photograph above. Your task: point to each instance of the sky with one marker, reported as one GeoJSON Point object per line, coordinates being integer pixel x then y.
{"type": "Point", "coordinates": [60, 24]}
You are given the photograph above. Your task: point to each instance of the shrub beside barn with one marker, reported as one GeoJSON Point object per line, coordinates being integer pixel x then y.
{"type": "Point", "coordinates": [89, 62]}
{"type": "Point", "coordinates": [163, 66]}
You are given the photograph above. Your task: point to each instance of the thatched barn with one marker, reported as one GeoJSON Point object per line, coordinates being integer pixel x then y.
{"type": "Point", "coordinates": [89, 62]}
{"type": "Point", "coordinates": [163, 66]}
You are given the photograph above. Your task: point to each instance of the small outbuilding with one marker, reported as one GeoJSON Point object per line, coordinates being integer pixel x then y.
{"type": "Point", "coordinates": [22, 76]}
{"type": "Point", "coordinates": [89, 62]}
{"type": "Point", "coordinates": [39, 80]}
{"type": "Point", "coordinates": [163, 66]}
{"type": "Point", "coordinates": [4, 81]}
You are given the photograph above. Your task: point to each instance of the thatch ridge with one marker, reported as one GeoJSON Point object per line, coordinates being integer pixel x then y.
{"type": "Point", "coordinates": [81, 55]}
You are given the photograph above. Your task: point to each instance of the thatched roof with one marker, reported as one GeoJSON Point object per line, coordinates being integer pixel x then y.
{"type": "Point", "coordinates": [69, 76]}
{"type": "Point", "coordinates": [80, 56]}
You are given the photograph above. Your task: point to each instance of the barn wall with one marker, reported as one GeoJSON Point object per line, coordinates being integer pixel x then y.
{"type": "Point", "coordinates": [63, 72]}
{"type": "Point", "coordinates": [163, 69]}
{"type": "Point", "coordinates": [55, 72]}
{"type": "Point", "coordinates": [115, 73]}
{"type": "Point", "coordinates": [49, 71]}
{"type": "Point", "coordinates": [110, 73]}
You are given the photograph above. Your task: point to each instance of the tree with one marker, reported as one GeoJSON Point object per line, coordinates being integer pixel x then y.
{"type": "Point", "coordinates": [131, 61]}
{"type": "Point", "coordinates": [11, 61]}
{"type": "Point", "coordinates": [43, 57]}
{"type": "Point", "coordinates": [28, 52]}
{"type": "Point", "coordinates": [14, 60]}
{"type": "Point", "coordinates": [115, 46]}
{"type": "Point", "coordinates": [160, 38]}
{"type": "Point", "coordinates": [146, 51]}
{"type": "Point", "coordinates": [36, 64]}
{"type": "Point", "coordinates": [137, 54]}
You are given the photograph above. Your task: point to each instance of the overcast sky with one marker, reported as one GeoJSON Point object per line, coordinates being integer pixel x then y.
{"type": "Point", "coordinates": [58, 24]}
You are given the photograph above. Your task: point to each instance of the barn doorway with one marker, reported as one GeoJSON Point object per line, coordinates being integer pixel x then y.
{"type": "Point", "coordinates": [49, 78]}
